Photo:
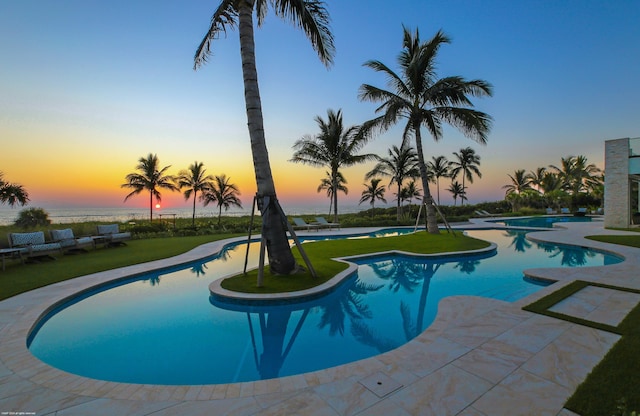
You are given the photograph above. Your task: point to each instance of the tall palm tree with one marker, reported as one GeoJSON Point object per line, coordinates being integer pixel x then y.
{"type": "Point", "coordinates": [410, 191]}
{"type": "Point", "coordinates": [536, 177]}
{"type": "Point", "coordinates": [577, 175]}
{"type": "Point", "coordinates": [150, 177]}
{"type": "Point", "coordinates": [401, 164]}
{"type": "Point", "coordinates": [334, 147]}
{"type": "Point", "coordinates": [439, 167]}
{"type": "Point", "coordinates": [12, 193]}
{"type": "Point", "coordinates": [467, 164]}
{"type": "Point", "coordinates": [373, 191]}
{"type": "Point", "coordinates": [520, 182]}
{"type": "Point", "coordinates": [194, 179]}
{"type": "Point", "coordinates": [333, 184]}
{"type": "Point", "coordinates": [457, 191]}
{"type": "Point", "coordinates": [308, 15]}
{"type": "Point", "coordinates": [223, 193]}
{"type": "Point", "coordinates": [418, 96]}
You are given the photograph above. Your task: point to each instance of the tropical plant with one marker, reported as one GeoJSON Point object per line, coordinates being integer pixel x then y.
{"type": "Point", "coordinates": [409, 191]}
{"type": "Point", "coordinates": [11, 193]}
{"type": "Point", "coordinates": [457, 191]}
{"type": "Point", "coordinates": [194, 180]}
{"type": "Point", "coordinates": [536, 177]}
{"type": "Point", "coordinates": [467, 164]}
{"type": "Point", "coordinates": [439, 167]}
{"type": "Point", "coordinates": [308, 15]}
{"type": "Point", "coordinates": [32, 217]}
{"type": "Point", "coordinates": [373, 191]}
{"type": "Point", "coordinates": [333, 184]}
{"type": "Point", "coordinates": [577, 175]}
{"type": "Point", "coordinates": [417, 95]}
{"type": "Point", "coordinates": [223, 193]}
{"type": "Point", "coordinates": [401, 164]}
{"type": "Point", "coordinates": [150, 177]}
{"type": "Point", "coordinates": [334, 147]}
{"type": "Point", "coordinates": [520, 182]}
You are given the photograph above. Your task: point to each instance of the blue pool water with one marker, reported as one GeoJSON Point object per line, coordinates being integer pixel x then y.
{"type": "Point", "coordinates": [540, 222]}
{"type": "Point", "coordinates": [165, 328]}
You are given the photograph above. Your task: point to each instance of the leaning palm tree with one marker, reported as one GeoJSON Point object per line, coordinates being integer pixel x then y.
{"type": "Point", "coordinates": [150, 177]}
{"type": "Point", "coordinates": [457, 191]}
{"type": "Point", "coordinates": [223, 193]}
{"type": "Point", "coordinates": [439, 167]}
{"type": "Point", "coordinates": [417, 95]}
{"type": "Point", "coordinates": [467, 164]}
{"type": "Point", "coordinates": [11, 193]}
{"type": "Point", "coordinates": [194, 180]}
{"type": "Point", "coordinates": [334, 147]}
{"type": "Point", "coordinates": [310, 16]}
{"type": "Point", "coordinates": [373, 191]}
{"type": "Point", "coordinates": [331, 184]}
{"type": "Point", "coordinates": [401, 164]}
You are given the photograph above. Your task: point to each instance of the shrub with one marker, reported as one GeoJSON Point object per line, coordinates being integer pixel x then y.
{"type": "Point", "coordinates": [32, 217]}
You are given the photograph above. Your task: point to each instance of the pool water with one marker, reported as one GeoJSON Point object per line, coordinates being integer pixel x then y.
{"type": "Point", "coordinates": [540, 222]}
{"type": "Point", "coordinates": [165, 328]}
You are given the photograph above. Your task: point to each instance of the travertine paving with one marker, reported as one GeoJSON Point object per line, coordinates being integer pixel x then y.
{"type": "Point", "coordinates": [481, 357]}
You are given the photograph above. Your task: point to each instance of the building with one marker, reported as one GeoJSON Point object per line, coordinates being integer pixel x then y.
{"type": "Point", "coordinates": [621, 183]}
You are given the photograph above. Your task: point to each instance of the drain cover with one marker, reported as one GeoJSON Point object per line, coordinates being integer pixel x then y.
{"type": "Point", "coordinates": [380, 384]}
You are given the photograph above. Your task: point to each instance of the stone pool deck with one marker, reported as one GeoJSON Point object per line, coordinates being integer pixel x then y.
{"type": "Point", "coordinates": [480, 356]}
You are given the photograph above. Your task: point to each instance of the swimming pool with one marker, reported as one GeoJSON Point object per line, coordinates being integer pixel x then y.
{"type": "Point", "coordinates": [164, 328]}
{"type": "Point", "coordinates": [539, 222]}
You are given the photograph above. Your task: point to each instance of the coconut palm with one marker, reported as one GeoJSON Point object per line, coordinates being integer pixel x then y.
{"type": "Point", "coordinates": [194, 180]}
{"type": "Point", "coordinates": [467, 164]}
{"type": "Point", "coordinates": [577, 175]}
{"type": "Point", "coordinates": [410, 191]}
{"type": "Point", "coordinates": [520, 182]}
{"type": "Point", "coordinates": [11, 193]}
{"type": "Point", "coordinates": [373, 191]}
{"type": "Point", "coordinates": [334, 147]}
{"type": "Point", "coordinates": [308, 15]}
{"type": "Point", "coordinates": [333, 184]}
{"type": "Point", "coordinates": [401, 164]}
{"type": "Point", "coordinates": [439, 167]}
{"type": "Point", "coordinates": [417, 95]}
{"type": "Point", "coordinates": [536, 177]}
{"type": "Point", "coordinates": [457, 191]}
{"type": "Point", "coordinates": [223, 193]}
{"type": "Point", "coordinates": [150, 177]}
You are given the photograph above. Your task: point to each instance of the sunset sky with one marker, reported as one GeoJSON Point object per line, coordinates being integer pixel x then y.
{"type": "Point", "coordinates": [88, 87]}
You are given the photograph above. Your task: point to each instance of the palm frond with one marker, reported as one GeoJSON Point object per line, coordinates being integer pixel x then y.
{"type": "Point", "coordinates": [225, 16]}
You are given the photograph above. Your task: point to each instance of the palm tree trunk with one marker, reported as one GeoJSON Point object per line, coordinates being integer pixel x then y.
{"type": "Point", "coordinates": [432, 221]}
{"type": "Point", "coordinates": [281, 259]}
{"type": "Point", "coordinates": [193, 217]}
{"type": "Point", "coordinates": [335, 202]}
{"type": "Point", "coordinates": [150, 206]}
{"type": "Point", "coordinates": [398, 210]}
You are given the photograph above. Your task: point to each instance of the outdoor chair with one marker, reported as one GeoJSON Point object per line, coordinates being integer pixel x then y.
{"type": "Point", "coordinates": [33, 245]}
{"type": "Point", "coordinates": [112, 236]}
{"type": "Point", "coordinates": [565, 211]}
{"type": "Point", "coordinates": [69, 242]}
{"type": "Point", "coordinates": [480, 213]}
{"type": "Point", "coordinates": [581, 212]}
{"type": "Point", "coordinates": [551, 211]}
{"type": "Point", "coordinates": [300, 223]}
{"type": "Point", "coordinates": [322, 222]}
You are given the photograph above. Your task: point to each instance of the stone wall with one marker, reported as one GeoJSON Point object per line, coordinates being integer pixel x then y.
{"type": "Point", "coordinates": [616, 183]}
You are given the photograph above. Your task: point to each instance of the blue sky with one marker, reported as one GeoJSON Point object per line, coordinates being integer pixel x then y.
{"type": "Point", "coordinates": [88, 87]}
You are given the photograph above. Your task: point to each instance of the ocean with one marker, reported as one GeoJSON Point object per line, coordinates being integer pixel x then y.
{"type": "Point", "coordinates": [66, 215]}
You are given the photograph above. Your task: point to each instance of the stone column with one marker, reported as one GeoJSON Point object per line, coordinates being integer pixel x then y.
{"type": "Point", "coordinates": [616, 184]}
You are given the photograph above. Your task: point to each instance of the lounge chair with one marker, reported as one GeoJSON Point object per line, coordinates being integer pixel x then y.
{"type": "Point", "coordinates": [300, 223]}
{"type": "Point", "coordinates": [322, 222]}
{"type": "Point", "coordinates": [551, 211]}
{"type": "Point", "coordinates": [112, 236]}
{"type": "Point", "coordinates": [481, 213]}
{"type": "Point", "coordinates": [581, 212]}
{"type": "Point", "coordinates": [565, 211]}
{"type": "Point", "coordinates": [32, 245]}
{"type": "Point", "coordinates": [69, 242]}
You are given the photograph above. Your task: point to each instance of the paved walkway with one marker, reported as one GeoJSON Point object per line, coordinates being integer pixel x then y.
{"type": "Point", "coordinates": [480, 357]}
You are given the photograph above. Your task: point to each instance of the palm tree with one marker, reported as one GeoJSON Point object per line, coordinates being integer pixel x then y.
{"type": "Point", "coordinates": [536, 177]}
{"type": "Point", "coordinates": [520, 182]}
{"type": "Point", "coordinates": [467, 164]}
{"type": "Point", "coordinates": [577, 175]}
{"type": "Point", "coordinates": [457, 190]}
{"type": "Point", "coordinates": [401, 164]}
{"type": "Point", "coordinates": [223, 193]}
{"type": "Point", "coordinates": [418, 96]}
{"type": "Point", "coordinates": [410, 191]}
{"type": "Point", "coordinates": [373, 191]}
{"type": "Point", "coordinates": [333, 184]}
{"type": "Point", "coordinates": [150, 178]}
{"type": "Point", "coordinates": [12, 194]}
{"type": "Point", "coordinates": [334, 147]}
{"type": "Point", "coordinates": [308, 15]}
{"type": "Point", "coordinates": [439, 167]}
{"type": "Point", "coordinates": [195, 180]}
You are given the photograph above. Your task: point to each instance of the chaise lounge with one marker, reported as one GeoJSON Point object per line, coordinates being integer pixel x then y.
{"type": "Point", "coordinates": [302, 224]}
{"type": "Point", "coordinates": [112, 236]}
{"type": "Point", "coordinates": [322, 222]}
{"type": "Point", "coordinates": [33, 245]}
{"type": "Point", "coordinates": [69, 242]}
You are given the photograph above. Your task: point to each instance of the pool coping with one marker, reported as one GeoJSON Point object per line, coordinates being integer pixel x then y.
{"type": "Point", "coordinates": [60, 390]}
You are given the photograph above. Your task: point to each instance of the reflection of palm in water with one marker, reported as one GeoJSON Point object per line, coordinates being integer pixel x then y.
{"type": "Point", "coordinates": [570, 256]}
{"type": "Point", "coordinates": [519, 243]}
{"type": "Point", "coordinates": [349, 304]}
